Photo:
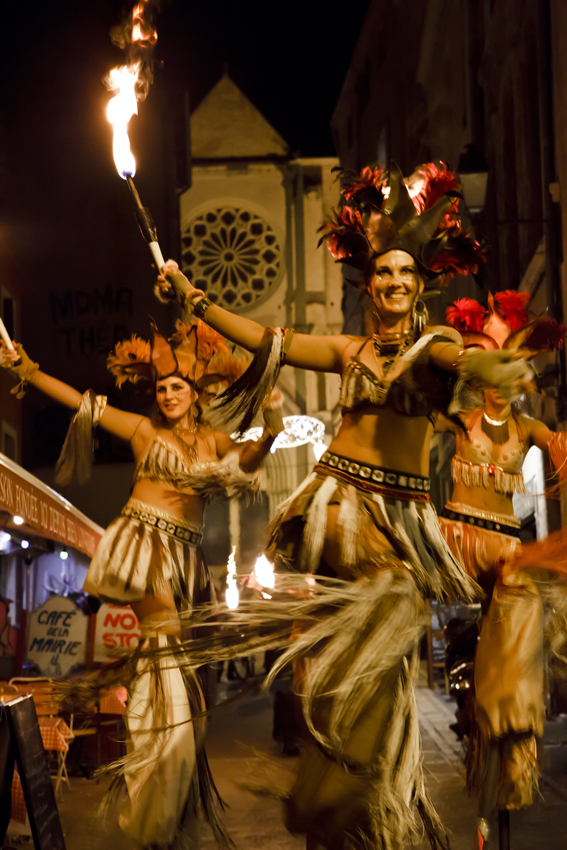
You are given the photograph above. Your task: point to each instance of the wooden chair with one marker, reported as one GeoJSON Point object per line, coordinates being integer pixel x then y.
{"type": "Point", "coordinates": [8, 692]}
{"type": "Point", "coordinates": [47, 705]}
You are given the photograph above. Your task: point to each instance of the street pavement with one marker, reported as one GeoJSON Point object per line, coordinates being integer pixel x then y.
{"type": "Point", "coordinates": [239, 740]}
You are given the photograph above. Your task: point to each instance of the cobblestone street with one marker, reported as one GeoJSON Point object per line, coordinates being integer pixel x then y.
{"type": "Point", "coordinates": [241, 731]}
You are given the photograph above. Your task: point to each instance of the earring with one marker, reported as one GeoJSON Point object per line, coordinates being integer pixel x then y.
{"type": "Point", "coordinates": [419, 316]}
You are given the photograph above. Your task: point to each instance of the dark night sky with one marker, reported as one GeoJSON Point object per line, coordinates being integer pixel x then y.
{"type": "Point", "coordinates": [289, 57]}
{"type": "Point", "coordinates": [58, 186]}
{"type": "Point", "coordinates": [66, 215]}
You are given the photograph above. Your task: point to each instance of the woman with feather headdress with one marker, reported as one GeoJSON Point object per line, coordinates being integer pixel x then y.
{"type": "Point", "coordinates": [484, 534]}
{"type": "Point", "coordinates": [150, 557]}
{"type": "Point", "coordinates": [362, 522]}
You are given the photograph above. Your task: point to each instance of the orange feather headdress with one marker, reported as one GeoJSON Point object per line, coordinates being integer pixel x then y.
{"type": "Point", "coordinates": [195, 351]}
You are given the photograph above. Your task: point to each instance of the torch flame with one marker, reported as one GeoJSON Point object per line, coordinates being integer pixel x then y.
{"type": "Point", "coordinates": [141, 31]}
{"type": "Point", "coordinates": [131, 83]}
{"type": "Point", "coordinates": [231, 594]}
{"type": "Point", "coordinates": [264, 572]}
{"type": "Point", "coordinates": [119, 111]}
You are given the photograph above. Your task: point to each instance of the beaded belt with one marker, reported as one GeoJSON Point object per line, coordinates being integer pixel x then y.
{"type": "Point", "coordinates": [375, 476]}
{"type": "Point", "coordinates": [163, 521]}
{"type": "Point", "coordinates": [484, 520]}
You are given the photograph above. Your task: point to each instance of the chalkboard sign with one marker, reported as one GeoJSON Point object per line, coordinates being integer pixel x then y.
{"type": "Point", "coordinates": [20, 741]}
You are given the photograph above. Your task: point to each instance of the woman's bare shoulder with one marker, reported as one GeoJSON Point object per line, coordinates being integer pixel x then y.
{"type": "Point", "coordinates": [145, 432]}
{"type": "Point", "coordinates": [351, 345]}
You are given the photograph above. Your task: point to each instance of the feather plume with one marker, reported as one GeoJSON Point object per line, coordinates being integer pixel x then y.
{"type": "Point", "coordinates": [371, 182]}
{"type": "Point", "coordinates": [130, 360]}
{"type": "Point", "coordinates": [546, 334]}
{"type": "Point", "coordinates": [345, 237]}
{"type": "Point", "coordinates": [198, 352]}
{"type": "Point", "coordinates": [437, 181]}
{"type": "Point", "coordinates": [512, 307]}
{"type": "Point", "coordinates": [461, 254]}
{"type": "Point", "coordinates": [466, 314]}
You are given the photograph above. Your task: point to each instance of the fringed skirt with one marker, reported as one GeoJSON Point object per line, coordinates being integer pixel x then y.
{"type": "Point", "coordinates": [377, 522]}
{"type": "Point", "coordinates": [143, 551]}
{"type": "Point", "coordinates": [165, 769]}
{"type": "Point", "coordinates": [360, 779]}
{"type": "Point", "coordinates": [354, 647]}
{"type": "Point", "coordinates": [508, 707]}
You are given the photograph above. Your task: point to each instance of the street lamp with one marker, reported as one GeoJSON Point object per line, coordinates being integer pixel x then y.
{"type": "Point", "coordinates": [473, 173]}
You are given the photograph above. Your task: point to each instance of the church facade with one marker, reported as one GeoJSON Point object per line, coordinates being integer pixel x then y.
{"type": "Point", "coordinates": [249, 240]}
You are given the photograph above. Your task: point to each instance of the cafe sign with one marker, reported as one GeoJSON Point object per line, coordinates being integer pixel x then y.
{"type": "Point", "coordinates": [57, 639]}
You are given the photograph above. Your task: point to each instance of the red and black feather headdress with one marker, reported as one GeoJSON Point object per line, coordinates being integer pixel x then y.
{"type": "Point", "coordinates": [383, 211]}
{"type": "Point", "coordinates": [505, 323]}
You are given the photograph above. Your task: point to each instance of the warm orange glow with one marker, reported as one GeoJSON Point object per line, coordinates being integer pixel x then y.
{"type": "Point", "coordinates": [119, 111]}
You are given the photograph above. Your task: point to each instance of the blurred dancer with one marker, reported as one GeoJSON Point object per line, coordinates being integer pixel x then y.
{"type": "Point", "coordinates": [150, 558]}
{"type": "Point", "coordinates": [483, 533]}
{"type": "Point", "coordinates": [362, 522]}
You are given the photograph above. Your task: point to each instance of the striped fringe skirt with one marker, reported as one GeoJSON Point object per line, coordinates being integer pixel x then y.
{"type": "Point", "coordinates": [360, 781]}
{"type": "Point", "coordinates": [400, 511]}
{"type": "Point", "coordinates": [144, 550]}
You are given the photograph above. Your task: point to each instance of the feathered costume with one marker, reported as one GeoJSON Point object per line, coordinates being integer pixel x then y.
{"type": "Point", "coordinates": [508, 703]}
{"type": "Point", "coordinates": [142, 553]}
{"type": "Point", "coordinates": [360, 781]}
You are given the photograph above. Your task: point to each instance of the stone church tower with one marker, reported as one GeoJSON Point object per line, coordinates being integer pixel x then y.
{"type": "Point", "coordinates": [248, 235]}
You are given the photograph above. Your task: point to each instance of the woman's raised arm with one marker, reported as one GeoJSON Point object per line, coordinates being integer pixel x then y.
{"type": "Point", "coordinates": [320, 353]}
{"type": "Point", "coordinates": [118, 422]}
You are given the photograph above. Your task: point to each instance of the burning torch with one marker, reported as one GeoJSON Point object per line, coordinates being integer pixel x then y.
{"type": "Point", "coordinates": [129, 86]}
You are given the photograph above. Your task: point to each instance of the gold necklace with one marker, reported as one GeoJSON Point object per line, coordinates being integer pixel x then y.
{"type": "Point", "coordinates": [391, 349]}
{"type": "Point", "coordinates": [190, 450]}
{"type": "Point", "coordinates": [178, 429]}
{"type": "Point", "coordinates": [390, 337]}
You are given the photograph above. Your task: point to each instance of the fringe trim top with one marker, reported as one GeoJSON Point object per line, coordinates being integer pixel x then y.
{"type": "Point", "coordinates": [482, 474]}
{"type": "Point", "coordinates": [408, 390]}
{"type": "Point", "coordinates": [162, 462]}
{"type": "Point", "coordinates": [223, 477]}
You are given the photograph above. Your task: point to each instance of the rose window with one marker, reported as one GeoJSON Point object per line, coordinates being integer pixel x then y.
{"type": "Point", "coordinates": [233, 255]}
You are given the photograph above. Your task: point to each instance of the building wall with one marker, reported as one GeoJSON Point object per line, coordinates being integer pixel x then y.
{"type": "Point", "coordinates": [13, 286]}
{"type": "Point", "coordinates": [430, 76]}
{"type": "Point", "coordinates": [291, 197]}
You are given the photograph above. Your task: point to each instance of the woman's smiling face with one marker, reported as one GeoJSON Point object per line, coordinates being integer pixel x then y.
{"type": "Point", "coordinates": [395, 285]}
{"type": "Point", "coordinates": [174, 396]}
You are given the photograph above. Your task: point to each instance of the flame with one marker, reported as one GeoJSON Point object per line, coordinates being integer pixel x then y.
{"type": "Point", "coordinates": [141, 31]}
{"type": "Point", "coordinates": [120, 109]}
{"type": "Point", "coordinates": [264, 572]}
{"type": "Point", "coordinates": [231, 595]}
{"type": "Point", "coordinates": [131, 83]}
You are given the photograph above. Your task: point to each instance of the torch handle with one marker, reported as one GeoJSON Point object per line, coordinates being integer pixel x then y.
{"type": "Point", "coordinates": [6, 336]}
{"type": "Point", "coordinates": [157, 255]}
{"type": "Point", "coordinates": [148, 229]}
{"type": "Point", "coordinates": [9, 344]}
